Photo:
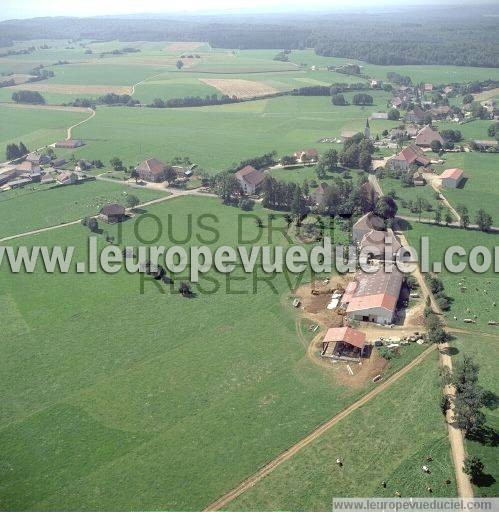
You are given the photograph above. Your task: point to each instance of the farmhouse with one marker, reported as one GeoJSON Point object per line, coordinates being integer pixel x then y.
{"type": "Point", "coordinates": [428, 87]}
{"type": "Point", "coordinates": [307, 155]}
{"type": "Point", "coordinates": [112, 213]}
{"type": "Point", "coordinates": [29, 167]}
{"type": "Point", "coordinates": [37, 158]}
{"type": "Point", "coordinates": [69, 143]}
{"type": "Point", "coordinates": [250, 179]}
{"type": "Point", "coordinates": [451, 178]}
{"type": "Point", "coordinates": [416, 115]}
{"type": "Point", "coordinates": [373, 297]}
{"type": "Point", "coordinates": [397, 102]}
{"type": "Point", "coordinates": [380, 244]}
{"type": "Point", "coordinates": [408, 156]}
{"type": "Point", "coordinates": [343, 343]}
{"type": "Point", "coordinates": [441, 112]}
{"type": "Point", "coordinates": [365, 225]}
{"type": "Point", "coordinates": [427, 135]}
{"type": "Point", "coordinates": [66, 178]}
{"type": "Point", "coordinates": [151, 170]}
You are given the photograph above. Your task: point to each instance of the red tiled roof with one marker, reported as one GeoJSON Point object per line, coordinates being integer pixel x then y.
{"type": "Point", "coordinates": [250, 175]}
{"type": "Point", "coordinates": [427, 135]}
{"type": "Point", "coordinates": [152, 165]}
{"type": "Point", "coordinates": [347, 335]}
{"type": "Point", "coordinates": [413, 154]}
{"type": "Point", "coordinates": [454, 173]}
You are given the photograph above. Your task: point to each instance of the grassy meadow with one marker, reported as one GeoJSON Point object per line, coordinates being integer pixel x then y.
{"type": "Point", "coordinates": [51, 205]}
{"type": "Point", "coordinates": [472, 293]}
{"type": "Point", "coordinates": [388, 439]}
{"type": "Point", "coordinates": [101, 410]}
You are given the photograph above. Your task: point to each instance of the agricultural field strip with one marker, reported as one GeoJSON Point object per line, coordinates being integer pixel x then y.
{"type": "Point", "coordinates": [290, 452]}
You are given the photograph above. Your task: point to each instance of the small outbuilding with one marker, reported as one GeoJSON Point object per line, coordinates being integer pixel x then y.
{"type": "Point", "coordinates": [343, 343]}
{"type": "Point", "coordinates": [113, 213]}
{"type": "Point", "coordinates": [452, 178]}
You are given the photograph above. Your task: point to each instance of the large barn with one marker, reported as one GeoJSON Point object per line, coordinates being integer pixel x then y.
{"type": "Point", "coordinates": [373, 297]}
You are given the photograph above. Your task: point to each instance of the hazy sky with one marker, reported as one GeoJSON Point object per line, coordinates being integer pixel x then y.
{"type": "Point", "coordinates": [33, 8]}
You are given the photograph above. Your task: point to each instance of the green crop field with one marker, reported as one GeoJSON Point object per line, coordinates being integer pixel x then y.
{"type": "Point", "coordinates": [388, 440]}
{"type": "Point", "coordinates": [51, 205]}
{"type": "Point", "coordinates": [472, 293]}
{"type": "Point", "coordinates": [481, 171]}
{"type": "Point", "coordinates": [34, 126]}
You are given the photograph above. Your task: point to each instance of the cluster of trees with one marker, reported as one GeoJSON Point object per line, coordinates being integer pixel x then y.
{"type": "Point", "coordinates": [39, 73]}
{"type": "Point", "coordinates": [258, 162]}
{"type": "Point", "coordinates": [398, 79]}
{"type": "Point", "coordinates": [437, 289]}
{"type": "Point", "coordinates": [283, 56]}
{"type": "Point", "coordinates": [194, 101]}
{"type": "Point", "coordinates": [7, 83]}
{"type": "Point", "coordinates": [280, 195]}
{"type": "Point", "coordinates": [493, 131]}
{"type": "Point", "coordinates": [91, 223]}
{"type": "Point", "coordinates": [13, 151]}
{"type": "Point", "coordinates": [117, 99]}
{"type": "Point", "coordinates": [362, 99]}
{"type": "Point", "coordinates": [33, 97]}
{"type": "Point", "coordinates": [435, 331]}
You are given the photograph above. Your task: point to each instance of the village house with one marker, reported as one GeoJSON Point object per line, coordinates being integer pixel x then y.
{"type": "Point", "coordinates": [410, 155]}
{"type": "Point", "coordinates": [397, 102]}
{"type": "Point", "coordinates": [307, 155]}
{"type": "Point", "coordinates": [343, 343]}
{"type": "Point", "coordinates": [152, 170]}
{"type": "Point", "coordinates": [250, 179]}
{"type": "Point", "coordinates": [69, 143]}
{"type": "Point", "coordinates": [365, 225]}
{"type": "Point", "coordinates": [373, 297]}
{"type": "Point", "coordinates": [448, 89]}
{"type": "Point", "coordinates": [112, 213]}
{"type": "Point", "coordinates": [412, 129]}
{"type": "Point", "coordinates": [452, 178]}
{"type": "Point", "coordinates": [428, 87]}
{"type": "Point", "coordinates": [29, 168]}
{"type": "Point", "coordinates": [417, 115]}
{"type": "Point", "coordinates": [59, 162]}
{"type": "Point", "coordinates": [442, 112]}
{"type": "Point", "coordinates": [427, 135]}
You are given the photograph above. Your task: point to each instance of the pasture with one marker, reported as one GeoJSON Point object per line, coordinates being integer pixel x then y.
{"type": "Point", "coordinates": [50, 205]}
{"type": "Point", "coordinates": [485, 352]}
{"type": "Point", "coordinates": [388, 439]}
{"type": "Point", "coordinates": [144, 400]}
{"type": "Point", "coordinates": [472, 293]}
{"type": "Point", "coordinates": [35, 126]}
{"type": "Point", "coordinates": [478, 190]}
{"type": "Point", "coordinates": [215, 137]}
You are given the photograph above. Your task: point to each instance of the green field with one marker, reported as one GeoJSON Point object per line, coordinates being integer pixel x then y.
{"type": "Point", "coordinates": [50, 205]}
{"type": "Point", "coordinates": [478, 191]}
{"type": "Point", "coordinates": [485, 352]}
{"type": "Point", "coordinates": [96, 398]}
{"type": "Point", "coordinates": [216, 137]}
{"type": "Point", "coordinates": [388, 439]}
{"type": "Point", "coordinates": [481, 289]}
{"type": "Point", "coordinates": [35, 127]}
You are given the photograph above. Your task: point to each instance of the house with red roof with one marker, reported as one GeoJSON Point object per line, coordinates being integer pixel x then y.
{"type": "Point", "coordinates": [416, 115]}
{"type": "Point", "coordinates": [306, 155]}
{"type": "Point", "coordinates": [373, 297]}
{"type": "Point", "coordinates": [452, 178]}
{"type": "Point", "coordinates": [151, 170]}
{"type": "Point", "coordinates": [410, 155]}
{"type": "Point", "coordinates": [250, 179]}
{"type": "Point", "coordinates": [343, 343]}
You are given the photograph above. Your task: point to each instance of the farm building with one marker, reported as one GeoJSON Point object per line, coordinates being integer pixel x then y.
{"type": "Point", "coordinates": [343, 343]}
{"type": "Point", "coordinates": [59, 162]}
{"type": "Point", "coordinates": [112, 213]}
{"type": "Point", "coordinates": [37, 158]}
{"type": "Point", "coordinates": [373, 297]}
{"type": "Point", "coordinates": [416, 115]}
{"type": "Point", "coordinates": [250, 179]}
{"type": "Point", "coordinates": [29, 167]}
{"type": "Point", "coordinates": [19, 183]}
{"type": "Point", "coordinates": [378, 115]}
{"type": "Point", "coordinates": [365, 225]}
{"type": "Point", "coordinates": [410, 155]}
{"type": "Point", "coordinates": [151, 170]}
{"type": "Point", "coordinates": [441, 112]}
{"type": "Point", "coordinates": [66, 178]}
{"type": "Point", "coordinates": [380, 244]}
{"type": "Point", "coordinates": [306, 155]}
{"type": "Point", "coordinates": [69, 143]}
{"type": "Point", "coordinates": [397, 102]}
{"type": "Point", "coordinates": [347, 134]}
{"type": "Point", "coordinates": [451, 178]}
{"type": "Point", "coordinates": [427, 135]}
